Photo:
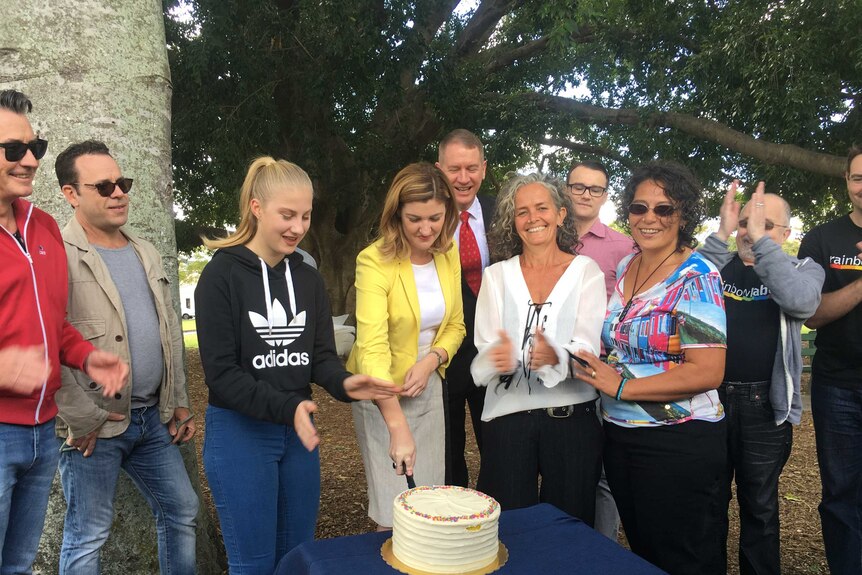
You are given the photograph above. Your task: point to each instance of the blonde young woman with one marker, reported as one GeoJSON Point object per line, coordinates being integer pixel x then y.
{"type": "Point", "coordinates": [265, 331]}
{"type": "Point", "coordinates": [410, 322]}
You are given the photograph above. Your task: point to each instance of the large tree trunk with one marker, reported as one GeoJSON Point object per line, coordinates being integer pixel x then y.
{"type": "Point", "coordinates": [98, 69]}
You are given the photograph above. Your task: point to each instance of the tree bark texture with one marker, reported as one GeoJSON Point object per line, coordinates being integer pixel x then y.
{"type": "Point", "coordinates": [98, 69]}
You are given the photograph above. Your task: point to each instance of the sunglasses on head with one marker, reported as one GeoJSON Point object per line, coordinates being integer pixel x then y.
{"type": "Point", "coordinates": [15, 151]}
{"type": "Point", "coordinates": [661, 210]}
{"type": "Point", "coordinates": [767, 225]}
{"type": "Point", "coordinates": [106, 189]}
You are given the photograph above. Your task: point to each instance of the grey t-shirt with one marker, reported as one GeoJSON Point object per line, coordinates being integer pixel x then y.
{"type": "Point", "coordinates": [142, 323]}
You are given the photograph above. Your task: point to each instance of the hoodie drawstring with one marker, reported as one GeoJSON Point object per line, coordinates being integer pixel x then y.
{"type": "Point", "coordinates": [290, 293]}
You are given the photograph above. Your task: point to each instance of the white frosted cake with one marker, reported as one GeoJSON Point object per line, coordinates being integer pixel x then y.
{"type": "Point", "coordinates": [445, 529]}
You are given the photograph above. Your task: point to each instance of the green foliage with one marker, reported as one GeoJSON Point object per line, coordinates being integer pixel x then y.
{"type": "Point", "coordinates": [353, 91]}
{"type": "Point", "coordinates": [190, 265]}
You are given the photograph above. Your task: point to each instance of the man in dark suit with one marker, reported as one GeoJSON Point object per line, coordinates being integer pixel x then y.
{"type": "Point", "coordinates": [462, 159]}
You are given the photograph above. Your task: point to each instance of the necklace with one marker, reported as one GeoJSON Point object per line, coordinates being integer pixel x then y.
{"type": "Point", "coordinates": [638, 287]}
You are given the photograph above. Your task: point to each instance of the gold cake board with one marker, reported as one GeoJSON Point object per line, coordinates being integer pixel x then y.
{"type": "Point", "coordinates": [389, 557]}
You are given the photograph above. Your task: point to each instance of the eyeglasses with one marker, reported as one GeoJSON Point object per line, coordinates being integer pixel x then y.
{"type": "Point", "coordinates": [579, 189]}
{"type": "Point", "coordinates": [106, 189]}
{"type": "Point", "coordinates": [661, 210]}
{"type": "Point", "coordinates": [768, 225]}
{"type": "Point", "coordinates": [15, 151]}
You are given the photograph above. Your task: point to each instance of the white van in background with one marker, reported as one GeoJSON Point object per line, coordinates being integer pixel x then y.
{"type": "Point", "coordinates": [187, 301]}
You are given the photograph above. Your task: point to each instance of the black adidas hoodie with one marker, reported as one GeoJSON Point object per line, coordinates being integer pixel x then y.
{"type": "Point", "coordinates": [259, 359]}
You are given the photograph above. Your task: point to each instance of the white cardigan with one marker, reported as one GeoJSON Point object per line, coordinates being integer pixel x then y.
{"type": "Point", "coordinates": [572, 319]}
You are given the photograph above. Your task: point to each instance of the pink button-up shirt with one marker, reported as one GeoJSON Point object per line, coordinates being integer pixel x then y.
{"type": "Point", "coordinates": [607, 247]}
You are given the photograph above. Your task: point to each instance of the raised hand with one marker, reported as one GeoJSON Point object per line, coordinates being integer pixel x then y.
{"type": "Point", "coordinates": [502, 354]}
{"type": "Point", "coordinates": [756, 225]}
{"type": "Point", "coordinates": [543, 354]}
{"type": "Point", "coordinates": [729, 212]}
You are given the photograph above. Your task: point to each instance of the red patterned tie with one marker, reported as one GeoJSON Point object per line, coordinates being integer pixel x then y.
{"type": "Point", "coordinates": [471, 259]}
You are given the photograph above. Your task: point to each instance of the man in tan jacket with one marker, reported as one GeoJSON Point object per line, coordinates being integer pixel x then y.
{"type": "Point", "coordinates": [119, 298]}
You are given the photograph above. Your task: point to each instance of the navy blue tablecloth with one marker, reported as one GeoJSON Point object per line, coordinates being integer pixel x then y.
{"type": "Point", "coordinates": [540, 539]}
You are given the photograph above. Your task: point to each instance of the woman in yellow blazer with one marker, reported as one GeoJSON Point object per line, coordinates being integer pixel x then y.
{"type": "Point", "coordinates": [409, 323]}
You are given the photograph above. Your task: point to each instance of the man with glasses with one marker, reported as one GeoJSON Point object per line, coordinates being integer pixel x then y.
{"type": "Point", "coordinates": [34, 340]}
{"type": "Point", "coordinates": [587, 185]}
{"type": "Point", "coordinates": [767, 295]}
{"type": "Point", "coordinates": [120, 298]}
{"type": "Point", "coordinates": [836, 375]}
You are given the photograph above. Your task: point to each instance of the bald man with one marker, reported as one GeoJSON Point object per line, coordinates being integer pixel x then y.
{"type": "Point", "coordinates": [768, 295]}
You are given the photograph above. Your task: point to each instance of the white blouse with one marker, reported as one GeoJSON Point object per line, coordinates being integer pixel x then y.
{"type": "Point", "coordinates": [432, 306]}
{"type": "Point", "coordinates": [572, 320]}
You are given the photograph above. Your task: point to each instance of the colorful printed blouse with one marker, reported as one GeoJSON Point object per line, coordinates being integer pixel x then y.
{"type": "Point", "coordinates": [651, 334]}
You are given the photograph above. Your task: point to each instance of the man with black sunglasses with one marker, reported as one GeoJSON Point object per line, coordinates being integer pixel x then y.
{"type": "Point", "coordinates": [34, 340]}
{"type": "Point", "coordinates": [768, 295]}
{"type": "Point", "coordinates": [121, 295]}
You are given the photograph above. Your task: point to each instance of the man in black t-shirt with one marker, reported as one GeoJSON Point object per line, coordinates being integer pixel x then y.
{"type": "Point", "coordinates": [767, 295]}
{"type": "Point", "coordinates": [836, 378]}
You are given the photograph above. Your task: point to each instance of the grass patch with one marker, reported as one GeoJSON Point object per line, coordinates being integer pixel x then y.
{"type": "Point", "coordinates": [189, 325]}
{"type": "Point", "coordinates": [190, 340]}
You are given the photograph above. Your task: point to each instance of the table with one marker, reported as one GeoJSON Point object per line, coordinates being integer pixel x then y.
{"type": "Point", "coordinates": [540, 539]}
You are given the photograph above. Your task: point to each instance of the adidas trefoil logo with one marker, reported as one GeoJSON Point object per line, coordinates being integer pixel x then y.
{"type": "Point", "coordinates": [282, 333]}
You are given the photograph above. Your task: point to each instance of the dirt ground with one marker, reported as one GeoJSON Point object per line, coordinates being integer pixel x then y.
{"type": "Point", "coordinates": [343, 500]}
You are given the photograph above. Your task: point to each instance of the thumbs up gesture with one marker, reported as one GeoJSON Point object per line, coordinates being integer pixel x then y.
{"type": "Point", "coordinates": [502, 354]}
{"type": "Point", "coordinates": [542, 353]}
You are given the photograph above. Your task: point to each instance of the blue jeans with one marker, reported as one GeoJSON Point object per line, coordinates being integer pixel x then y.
{"type": "Point", "coordinates": [265, 485]}
{"type": "Point", "coordinates": [838, 431]}
{"type": "Point", "coordinates": [757, 451]}
{"type": "Point", "coordinates": [28, 462]}
{"type": "Point", "coordinates": [144, 451]}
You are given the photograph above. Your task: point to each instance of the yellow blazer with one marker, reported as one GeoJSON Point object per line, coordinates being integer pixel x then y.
{"type": "Point", "coordinates": [387, 313]}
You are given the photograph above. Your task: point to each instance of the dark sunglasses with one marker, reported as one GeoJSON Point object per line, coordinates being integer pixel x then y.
{"type": "Point", "coordinates": [106, 189]}
{"type": "Point", "coordinates": [661, 210]}
{"type": "Point", "coordinates": [768, 225]}
{"type": "Point", "coordinates": [15, 151]}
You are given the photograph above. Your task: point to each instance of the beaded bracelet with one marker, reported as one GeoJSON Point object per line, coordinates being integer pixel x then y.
{"type": "Point", "coordinates": [620, 390]}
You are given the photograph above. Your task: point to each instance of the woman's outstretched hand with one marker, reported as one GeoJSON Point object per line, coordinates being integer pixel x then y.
{"type": "Point", "coordinates": [366, 387]}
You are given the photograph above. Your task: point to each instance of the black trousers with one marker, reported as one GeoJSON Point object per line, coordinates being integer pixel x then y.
{"type": "Point", "coordinates": [564, 451]}
{"type": "Point", "coordinates": [460, 392]}
{"type": "Point", "coordinates": [757, 450]}
{"type": "Point", "coordinates": [667, 482]}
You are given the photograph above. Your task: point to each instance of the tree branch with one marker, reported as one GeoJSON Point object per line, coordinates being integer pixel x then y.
{"type": "Point", "coordinates": [588, 149]}
{"type": "Point", "coordinates": [505, 55]}
{"type": "Point", "coordinates": [482, 25]}
{"type": "Point", "coordinates": [706, 129]}
{"type": "Point", "coordinates": [423, 34]}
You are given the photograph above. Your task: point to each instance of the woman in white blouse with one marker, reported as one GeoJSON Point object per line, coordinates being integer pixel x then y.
{"type": "Point", "coordinates": [536, 307]}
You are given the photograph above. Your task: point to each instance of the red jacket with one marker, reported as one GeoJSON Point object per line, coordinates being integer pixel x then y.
{"type": "Point", "coordinates": [33, 292]}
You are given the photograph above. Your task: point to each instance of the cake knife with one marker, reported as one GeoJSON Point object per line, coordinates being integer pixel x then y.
{"type": "Point", "coordinates": [411, 484]}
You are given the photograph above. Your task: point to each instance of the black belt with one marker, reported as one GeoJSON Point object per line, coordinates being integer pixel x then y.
{"type": "Point", "coordinates": [565, 411]}
{"type": "Point", "coordinates": [744, 383]}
